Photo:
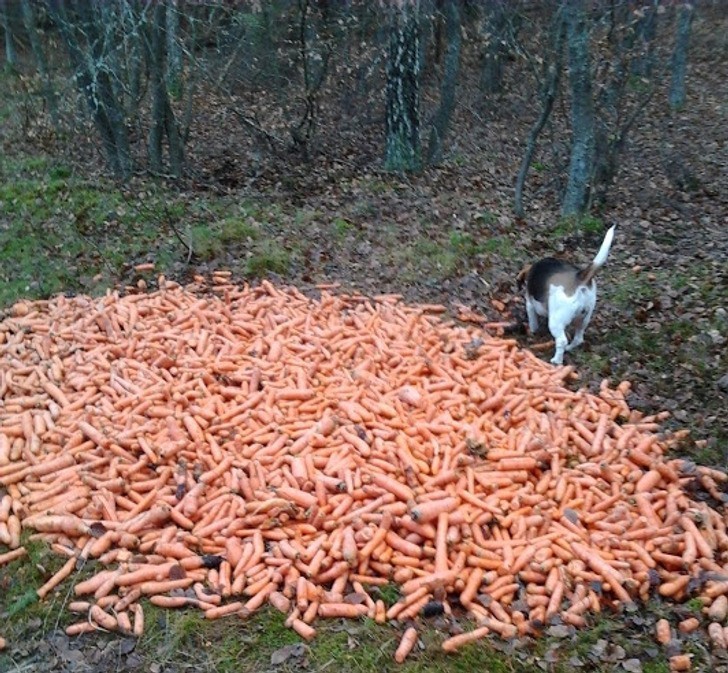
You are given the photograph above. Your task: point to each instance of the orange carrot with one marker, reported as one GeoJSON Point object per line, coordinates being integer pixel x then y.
{"type": "Point", "coordinates": [406, 644]}
{"type": "Point", "coordinates": [454, 643]}
{"type": "Point", "coordinates": [67, 568]}
{"type": "Point", "coordinates": [428, 511]}
{"type": "Point", "coordinates": [304, 630]}
{"type": "Point", "coordinates": [347, 610]}
{"type": "Point", "coordinates": [103, 619]}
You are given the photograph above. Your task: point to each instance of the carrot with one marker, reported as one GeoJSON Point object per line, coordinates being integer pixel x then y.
{"type": "Point", "coordinates": [688, 625]}
{"type": "Point", "coordinates": [12, 555]}
{"type": "Point", "coordinates": [663, 632]}
{"type": "Point", "coordinates": [103, 619]}
{"type": "Point", "coordinates": [67, 568]}
{"type": "Point", "coordinates": [428, 511]}
{"type": "Point", "coordinates": [58, 523]}
{"type": "Point", "coordinates": [680, 662]}
{"type": "Point", "coordinates": [80, 627]}
{"type": "Point", "coordinates": [717, 635]}
{"type": "Point", "coordinates": [223, 610]}
{"type": "Point", "coordinates": [406, 644]}
{"type": "Point", "coordinates": [346, 610]}
{"type": "Point", "coordinates": [138, 629]}
{"type": "Point", "coordinates": [718, 609]}
{"type": "Point", "coordinates": [454, 643]}
{"type": "Point", "coordinates": [304, 630]}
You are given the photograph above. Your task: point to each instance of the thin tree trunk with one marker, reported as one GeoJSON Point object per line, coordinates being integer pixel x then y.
{"type": "Point", "coordinates": [491, 76]}
{"type": "Point", "coordinates": [552, 81]}
{"type": "Point", "coordinates": [645, 32]}
{"type": "Point", "coordinates": [581, 165]}
{"type": "Point", "coordinates": [174, 50]}
{"type": "Point", "coordinates": [11, 57]}
{"type": "Point", "coordinates": [680, 56]}
{"type": "Point", "coordinates": [403, 89]}
{"type": "Point", "coordinates": [449, 80]}
{"type": "Point", "coordinates": [163, 119]}
{"type": "Point", "coordinates": [40, 58]}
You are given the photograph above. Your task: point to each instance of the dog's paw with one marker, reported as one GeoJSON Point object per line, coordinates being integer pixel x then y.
{"type": "Point", "coordinates": [557, 360]}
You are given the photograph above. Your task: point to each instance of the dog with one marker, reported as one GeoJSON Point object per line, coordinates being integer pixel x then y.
{"type": "Point", "coordinates": [564, 294]}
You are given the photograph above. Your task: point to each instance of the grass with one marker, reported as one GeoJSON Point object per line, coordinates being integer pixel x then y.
{"type": "Point", "coordinates": [586, 225]}
{"type": "Point", "coordinates": [184, 638]}
{"type": "Point", "coordinates": [60, 233]}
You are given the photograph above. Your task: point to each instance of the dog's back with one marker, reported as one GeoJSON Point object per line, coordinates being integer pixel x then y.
{"type": "Point", "coordinates": [550, 271]}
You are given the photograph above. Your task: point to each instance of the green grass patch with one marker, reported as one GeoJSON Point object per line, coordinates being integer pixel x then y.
{"type": "Point", "coordinates": [586, 225]}
{"type": "Point", "coordinates": [341, 228]}
{"type": "Point", "coordinates": [268, 256]}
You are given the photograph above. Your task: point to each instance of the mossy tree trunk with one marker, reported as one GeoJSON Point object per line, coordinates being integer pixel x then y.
{"type": "Point", "coordinates": [581, 164]}
{"type": "Point", "coordinates": [403, 152]}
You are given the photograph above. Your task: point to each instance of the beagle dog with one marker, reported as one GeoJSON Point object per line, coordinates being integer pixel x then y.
{"type": "Point", "coordinates": [564, 294]}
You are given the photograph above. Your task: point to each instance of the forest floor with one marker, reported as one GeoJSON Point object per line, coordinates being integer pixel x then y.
{"type": "Point", "coordinates": [448, 236]}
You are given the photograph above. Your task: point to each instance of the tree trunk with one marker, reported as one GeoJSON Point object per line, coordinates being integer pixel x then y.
{"type": "Point", "coordinates": [680, 56]}
{"type": "Point", "coordinates": [550, 89]}
{"type": "Point", "coordinates": [174, 50]}
{"type": "Point", "coordinates": [645, 32]}
{"type": "Point", "coordinates": [40, 58]}
{"type": "Point", "coordinates": [93, 80]}
{"type": "Point", "coordinates": [581, 165]}
{"type": "Point", "coordinates": [451, 66]}
{"type": "Point", "coordinates": [403, 89]}
{"type": "Point", "coordinates": [491, 76]}
{"type": "Point", "coordinates": [11, 57]}
{"type": "Point", "coordinates": [163, 119]}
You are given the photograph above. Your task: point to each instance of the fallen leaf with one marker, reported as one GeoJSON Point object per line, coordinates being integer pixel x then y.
{"type": "Point", "coordinates": [283, 654]}
{"type": "Point", "coordinates": [632, 665]}
{"type": "Point", "coordinates": [558, 631]}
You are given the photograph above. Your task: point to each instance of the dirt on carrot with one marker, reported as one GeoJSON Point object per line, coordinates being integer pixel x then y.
{"type": "Point", "coordinates": [223, 448]}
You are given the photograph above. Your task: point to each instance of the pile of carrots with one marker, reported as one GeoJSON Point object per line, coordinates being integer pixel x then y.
{"type": "Point", "coordinates": [226, 448]}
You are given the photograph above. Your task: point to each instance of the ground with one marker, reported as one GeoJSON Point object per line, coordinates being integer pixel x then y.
{"type": "Point", "coordinates": [448, 236]}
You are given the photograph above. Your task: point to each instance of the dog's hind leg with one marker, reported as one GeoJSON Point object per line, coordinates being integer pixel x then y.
{"type": "Point", "coordinates": [562, 342]}
{"type": "Point", "coordinates": [582, 324]}
{"type": "Point", "coordinates": [532, 316]}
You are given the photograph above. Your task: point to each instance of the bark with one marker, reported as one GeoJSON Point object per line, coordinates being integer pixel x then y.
{"type": "Point", "coordinates": [31, 29]}
{"type": "Point", "coordinates": [491, 78]}
{"type": "Point", "coordinates": [11, 57]}
{"type": "Point", "coordinates": [581, 164]}
{"type": "Point", "coordinates": [680, 56]}
{"type": "Point", "coordinates": [403, 90]}
{"type": "Point", "coordinates": [451, 67]}
{"type": "Point", "coordinates": [174, 50]}
{"type": "Point", "coordinates": [645, 32]}
{"type": "Point", "coordinates": [81, 30]}
{"type": "Point", "coordinates": [164, 123]}
{"type": "Point", "coordinates": [549, 92]}
{"type": "Point", "coordinates": [303, 131]}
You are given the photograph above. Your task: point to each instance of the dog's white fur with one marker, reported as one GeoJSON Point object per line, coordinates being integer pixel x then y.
{"type": "Point", "coordinates": [571, 298]}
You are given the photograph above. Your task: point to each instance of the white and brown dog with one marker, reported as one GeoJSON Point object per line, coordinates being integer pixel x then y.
{"type": "Point", "coordinates": [564, 294]}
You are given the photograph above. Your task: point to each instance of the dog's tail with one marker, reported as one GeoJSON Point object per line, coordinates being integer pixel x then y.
{"type": "Point", "coordinates": [586, 275]}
